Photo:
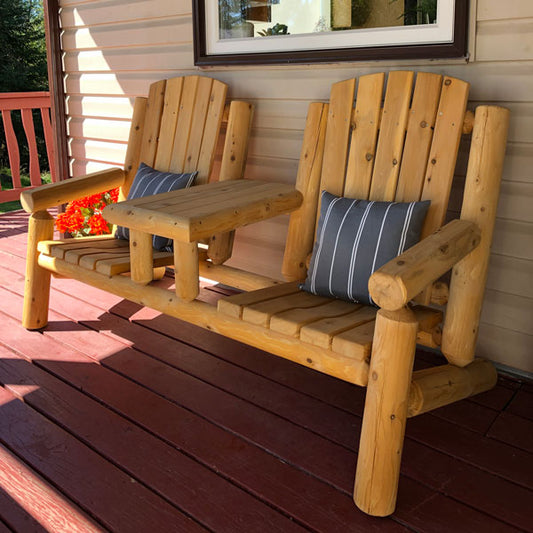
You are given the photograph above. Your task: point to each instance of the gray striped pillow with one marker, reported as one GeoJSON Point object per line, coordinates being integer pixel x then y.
{"type": "Point", "coordinates": [355, 238]}
{"type": "Point", "coordinates": [149, 181]}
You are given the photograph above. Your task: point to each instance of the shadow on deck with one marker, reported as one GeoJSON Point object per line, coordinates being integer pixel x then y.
{"type": "Point", "coordinates": [134, 421]}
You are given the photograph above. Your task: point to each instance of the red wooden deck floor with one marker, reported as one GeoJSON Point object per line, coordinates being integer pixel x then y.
{"type": "Point", "coordinates": [118, 418]}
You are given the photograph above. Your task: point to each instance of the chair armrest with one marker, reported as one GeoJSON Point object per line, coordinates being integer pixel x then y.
{"type": "Point", "coordinates": [59, 193]}
{"type": "Point", "coordinates": [405, 276]}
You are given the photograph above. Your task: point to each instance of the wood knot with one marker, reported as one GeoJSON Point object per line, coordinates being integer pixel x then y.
{"type": "Point", "coordinates": [394, 161]}
{"type": "Point", "coordinates": [232, 158]}
{"type": "Point", "coordinates": [423, 124]}
{"type": "Point", "coordinates": [400, 262]}
{"type": "Point", "coordinates": [374, 376]}
{"type": "Point", "coordinates": [368, 157]}
{"type": "Point", "coordinates": [443, 249]}
{"type": "Point", "coordinates": [433, 161]}
{"type": "Point", "coordinates": [309, 360]}
{"type": "Point", "coordinates": [392, 417]}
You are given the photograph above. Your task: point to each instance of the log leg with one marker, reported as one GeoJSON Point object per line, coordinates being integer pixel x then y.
{"type": "Point", "coordinates": [221, 247]}
{"type": "Point", "coordinates": [186, 270]}
{"type": "Point", "coordinates": [159, 273]}
{"type": "Point", "coordinates": [37, 284]}
{"type": "Point", "coordinates": [141, 257]}
{"type": "Point", "coordinates": [382, 434]}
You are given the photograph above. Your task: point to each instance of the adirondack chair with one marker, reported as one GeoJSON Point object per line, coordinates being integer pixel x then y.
{"type": "Point", "coordinates": [397, 143]}
{"type": "Point", "coordinates": [176, 128]}
{"type": "Point", "coordinates": [400, 147]}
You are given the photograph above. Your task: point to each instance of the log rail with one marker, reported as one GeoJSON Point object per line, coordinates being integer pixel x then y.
{"type": "Point", "coordinates": [26, 103]}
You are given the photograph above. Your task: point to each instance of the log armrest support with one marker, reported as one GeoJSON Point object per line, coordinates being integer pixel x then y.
{"type": "Point", "coordinates": [54, 194]}
{"type": "Point", "coordinates": [401, 279]}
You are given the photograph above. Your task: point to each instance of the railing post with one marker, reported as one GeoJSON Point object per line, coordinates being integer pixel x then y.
{"type": "Point", "coordinates": [12, 148]}
{"type": "Point", "coordinates": [26, 103]}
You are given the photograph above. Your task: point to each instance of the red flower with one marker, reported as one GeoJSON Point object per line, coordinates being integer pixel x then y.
{"type": "Point", "coordinates": [84, 216]}
{"type": "Point", "coordinates": [98, 225]}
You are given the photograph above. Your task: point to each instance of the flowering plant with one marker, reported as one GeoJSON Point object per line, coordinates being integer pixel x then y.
{"type": "Point", "coordinates": [84, 216]}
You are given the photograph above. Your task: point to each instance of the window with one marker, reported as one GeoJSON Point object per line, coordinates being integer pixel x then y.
{"type": "Point", "coordinates": [303, 31]}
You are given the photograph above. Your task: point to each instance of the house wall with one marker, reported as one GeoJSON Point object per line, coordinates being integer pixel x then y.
{"type": "Point", "coordinates": [114, 50]}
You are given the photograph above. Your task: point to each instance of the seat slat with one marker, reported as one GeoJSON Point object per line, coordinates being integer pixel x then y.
{"type": "Point", "coordinates": [234, 305]}
{"type": "Point", "coordinates": [364, 136]}
{"type": "Point", "coordinates": [106, 255]}
{"type": "Point", "coordinates": [89, 260]}
{"type": "Point", "coordinates": [422, 118]}
{"type": "Point", "coordinates": [120, 265]}
{"type": "Point", "coordinates": [391, 136]}
{"type": "Point", "coordinates": [355, 342]}
{"type": "Point", "coordinates": [290, 322]}
{"type": "Point", "coordinates": [73, 256]}
{"type": "Point", "coordinates": [261, 313]}
{"type": "Point", "coordinates": [45, 247]}
{"type": "Point", "coordinates": [169, 120]}
{"type": "Point", "coordinates": [321, 333]}
{"type": "Point", "coordinates": [60, 250]}
{"type": "Point", "coordinates": [427, 317]}
{"type": "Point", "coordinates": [337, 136]}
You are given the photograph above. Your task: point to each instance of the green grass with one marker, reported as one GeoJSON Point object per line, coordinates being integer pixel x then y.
{"type": "Point", "coordinates": [5, 179]}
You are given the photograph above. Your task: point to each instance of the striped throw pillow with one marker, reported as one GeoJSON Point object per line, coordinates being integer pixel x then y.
{"type": "Point", "coordinates": [149, 181]}
{"type": "Point", "coordinates": [357, 237]}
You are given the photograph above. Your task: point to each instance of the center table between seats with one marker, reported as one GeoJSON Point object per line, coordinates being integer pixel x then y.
{"type": "Point", "coordinates": [188, 215]}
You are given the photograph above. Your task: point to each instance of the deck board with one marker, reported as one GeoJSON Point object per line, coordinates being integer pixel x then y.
{"type": "Point", "coordinates": [514, 430]}
{"type": "Point", "coordinates": [24, 494]}
{"type": "Point", "coordinates": [522, 404]}
{"type": "Point", "coordinates": [94, 484]}
{"type": "Point", "coordinates": [175, 477]}
{"type": "Point", "coordinates": [223, 435]}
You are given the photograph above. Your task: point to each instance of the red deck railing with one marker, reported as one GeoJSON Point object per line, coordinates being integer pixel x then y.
{"type": "Point", "coordinates": [26, 103]}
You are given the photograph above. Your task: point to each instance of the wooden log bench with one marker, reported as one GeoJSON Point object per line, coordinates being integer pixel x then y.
{"type": "Point", "coordinates": [388, 138]}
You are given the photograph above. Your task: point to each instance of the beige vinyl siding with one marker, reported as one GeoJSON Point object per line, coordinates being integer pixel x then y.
{"type": "Point", "coordinates": [114, 50]}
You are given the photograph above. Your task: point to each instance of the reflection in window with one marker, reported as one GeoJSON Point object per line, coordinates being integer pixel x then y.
{"type": "Point", "coordinates": [264, 18]}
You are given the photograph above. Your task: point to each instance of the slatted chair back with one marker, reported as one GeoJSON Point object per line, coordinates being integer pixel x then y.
{"type": "Point", "coordinates": [382, 140]}
{"type": "Point", "coordinates": [176, 128]}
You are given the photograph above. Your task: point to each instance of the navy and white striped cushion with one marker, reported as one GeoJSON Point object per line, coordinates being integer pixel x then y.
{"type": "Point", "coordinates": [149, 181]}
{"type": "Point", "coordinates": [357, 237]}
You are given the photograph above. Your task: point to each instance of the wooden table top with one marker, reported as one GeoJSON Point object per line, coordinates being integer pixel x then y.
{"type": "Point", "coordinates": [204, 210]}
